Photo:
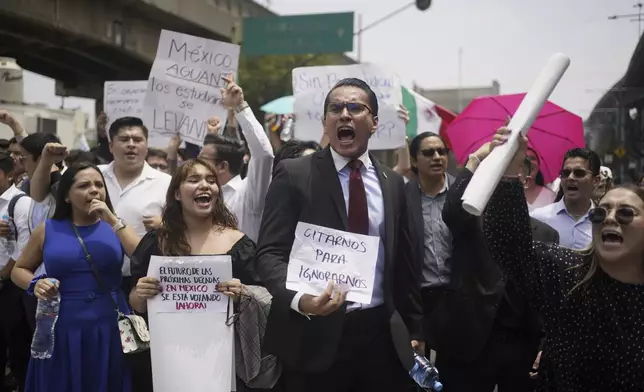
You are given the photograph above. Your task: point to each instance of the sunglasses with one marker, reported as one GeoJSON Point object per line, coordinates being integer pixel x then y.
{"type": "Point", "coordinates": [354, 108]}
{"type": "Point", "coordinates": [577, 173]}
{"type": "Point", "coordinates": [623, 215]}
{"type": "Point", "coordinates": [430, 152]}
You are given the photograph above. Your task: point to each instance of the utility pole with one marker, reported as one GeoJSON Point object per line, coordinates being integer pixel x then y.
{"type": "Point", "coordinates": [633, 17]}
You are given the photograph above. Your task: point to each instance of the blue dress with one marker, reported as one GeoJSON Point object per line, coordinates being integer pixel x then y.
{"type": "Point", "coordinates": [87, 354]}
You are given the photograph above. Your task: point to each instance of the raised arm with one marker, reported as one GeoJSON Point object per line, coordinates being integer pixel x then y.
{"type": "Point", "coordinates": [539, 270]}
{"type": "Point", "coordinates": [260, 167]}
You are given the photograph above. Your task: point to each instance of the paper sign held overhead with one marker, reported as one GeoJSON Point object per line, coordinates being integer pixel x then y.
{"type": "Point", "coordinates": [312, 84]}
{"type": "Point", "coordinates": [123, 99]}
{"type": "Point", "coordinates": [320, 255]}
{"type": "Point", "coordinates": [184, 86]}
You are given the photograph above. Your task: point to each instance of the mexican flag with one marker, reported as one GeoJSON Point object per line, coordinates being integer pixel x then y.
{"type": "Point", "coordinates": [425, 115]}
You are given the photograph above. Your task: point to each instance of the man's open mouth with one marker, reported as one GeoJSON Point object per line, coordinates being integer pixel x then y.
{"type": "Point", "coordinates": [346, 134]}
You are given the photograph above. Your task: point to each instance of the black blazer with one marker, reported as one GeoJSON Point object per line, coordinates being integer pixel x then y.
{"type": "Point", "coordinates": [462, 322]}
{"type": "Point", "coordinates": [308, 189]}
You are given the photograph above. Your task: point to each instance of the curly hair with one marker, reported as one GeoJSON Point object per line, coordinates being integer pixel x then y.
{"type": "Point", "coordinates": [172, 233]}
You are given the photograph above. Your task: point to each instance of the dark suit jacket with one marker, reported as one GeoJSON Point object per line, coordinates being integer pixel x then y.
{"type": "Point", "coordinates": [308, 189]}
{"type": "Point", "coordinates": [462, 322]}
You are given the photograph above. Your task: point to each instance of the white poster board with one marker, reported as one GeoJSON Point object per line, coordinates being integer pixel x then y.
{"type": "Point", "coordinates": [321, 254]}
{"type": "Point", "coordinates": [191, 349]}
{"type": "Point", "coordinates": [123, 99]}
{"type": "Point", "coordinates": [127, 98]}
{"type": "Point", "coordinates": [184, 84]}
{"type": "Point", "coordinates": [312, 84]}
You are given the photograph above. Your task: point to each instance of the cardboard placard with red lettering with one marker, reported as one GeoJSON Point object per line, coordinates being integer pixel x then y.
{"type": "Point", "coordinates": [190, 284]}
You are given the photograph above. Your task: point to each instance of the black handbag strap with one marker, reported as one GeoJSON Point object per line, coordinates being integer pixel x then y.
{"type": "Point", "coordinates": [97, 276]}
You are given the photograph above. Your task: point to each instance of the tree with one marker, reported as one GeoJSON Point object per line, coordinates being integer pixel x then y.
{"type": "Point", "coordinates": [266, 78]}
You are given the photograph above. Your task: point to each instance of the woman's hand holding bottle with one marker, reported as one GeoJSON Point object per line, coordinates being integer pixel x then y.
{"type": "Point", "coordinates": [46, 289]}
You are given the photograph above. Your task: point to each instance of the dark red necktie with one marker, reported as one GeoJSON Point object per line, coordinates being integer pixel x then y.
{"type": "Point", "coordinates": [358, 211]}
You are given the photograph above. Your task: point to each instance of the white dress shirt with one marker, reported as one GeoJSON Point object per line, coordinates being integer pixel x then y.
{"type": "Point", "coordinates": [572, 234]}
{"type": "Point", "coordinates": [145, 196]}
{"type": "Point", "coordinates": [5, 199]}
{"type": "Point", "coordinates": [245, 197]}
{"type": "Point", "coordinates": [376, 208]}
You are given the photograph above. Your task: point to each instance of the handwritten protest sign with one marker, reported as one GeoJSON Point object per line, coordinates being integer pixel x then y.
{"type": "Point", "coordinates": [123, 99]}
{"type": "Point", "coordinates": [312, 84]}
{"type": "Point", "coordinates": [184, 86]}
{"type": "Point", "coordinates": [191, 286]}
{"type": "Point", "coordinates": [320, 255]}
{"type": "Point", "coordinates": [191, 350]}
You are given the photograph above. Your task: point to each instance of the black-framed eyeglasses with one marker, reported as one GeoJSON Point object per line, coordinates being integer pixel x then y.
{"type": "Point", "coordinates": [354, 108]}
{"type": "Point", "coordinates": [430, 152]}
{"type": "Point", "coordinates": [623, 215]}
{"type": "Point", "coordinates": [577, 173]}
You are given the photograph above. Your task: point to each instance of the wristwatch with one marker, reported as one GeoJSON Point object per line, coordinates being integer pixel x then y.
{"type": "Point", "coordinates": [120, 225]}
{"type": "Point", "coordinates": [241, 107]}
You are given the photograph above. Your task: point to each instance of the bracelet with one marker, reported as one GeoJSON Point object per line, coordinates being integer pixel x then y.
{"type": "Point", "coordinates": [474, 157]}
{"type": "Point", "coordinates": [241, 107]}
{"type": "Point", "coordinates": [32, 284]}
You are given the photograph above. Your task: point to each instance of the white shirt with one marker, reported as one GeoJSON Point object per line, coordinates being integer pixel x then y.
{"type": "Point", "coordinates": [376, 208]}
{"type": "Point", "coordinates": [544, 198]}
{"type": "Point", "coordinates": [5, 199]}
{"type": "Point", "coordinates": [27, 216]}
{"type": "Point", "coordinates": [145, 196]}
{"type": "Point", "coordinates": [572, 234]}
{"type": "Point", "coordinates": [245, 197]}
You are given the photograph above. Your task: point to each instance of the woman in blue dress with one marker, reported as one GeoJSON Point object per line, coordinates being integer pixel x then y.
{"type": "Point", "coordinates": [87, 354]}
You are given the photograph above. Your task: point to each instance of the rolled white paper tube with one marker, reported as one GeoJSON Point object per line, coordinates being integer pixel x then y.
{"type": "Point", "coordinates": [489, 173]}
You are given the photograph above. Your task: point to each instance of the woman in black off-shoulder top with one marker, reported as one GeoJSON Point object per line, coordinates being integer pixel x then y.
{"type": "Point", "coordinates": [195, 222]}
{"type": "Point", "coordinates": [592, 301]}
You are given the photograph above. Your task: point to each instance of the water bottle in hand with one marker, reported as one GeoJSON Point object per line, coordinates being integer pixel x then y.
{"type": "Point", "coordinates": [8, 243]}
{"type": "Point", "coordinates": [42, 345]}
{"type": "Point", "coordinates": [287, 131]}
{"type": "Point", "coordinates": [425, 374]}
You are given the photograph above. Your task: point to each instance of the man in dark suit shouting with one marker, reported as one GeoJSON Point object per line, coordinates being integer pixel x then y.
{"type": "Point", "coordinates": [325, 343]}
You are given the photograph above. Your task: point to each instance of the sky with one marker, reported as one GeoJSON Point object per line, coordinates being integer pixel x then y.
{"type": "Point", "coordinates": [504, 40]}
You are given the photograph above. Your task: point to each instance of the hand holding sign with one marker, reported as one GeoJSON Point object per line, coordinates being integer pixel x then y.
{"type": "Point", "coordinates": [232, 288]}
{"type": "Point", "coordinates": [324, 304]}
{"type": "Point", "coordinates": [232, 95]}
{"type": "Point", "coordinates": [501, 137]}
{"type": "Point", "coordinates": [147, 287]}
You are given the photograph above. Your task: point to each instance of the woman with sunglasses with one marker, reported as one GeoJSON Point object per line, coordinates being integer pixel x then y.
{"type": "Point", "coordinates": [592, 301]}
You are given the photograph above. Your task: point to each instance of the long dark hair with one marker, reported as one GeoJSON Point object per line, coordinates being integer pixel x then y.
{"type": "Point", "coordinates": [63, 208]}
{"type": "Point", "coordinates": [172, 233]}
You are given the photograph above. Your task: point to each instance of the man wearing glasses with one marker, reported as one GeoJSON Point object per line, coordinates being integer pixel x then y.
{"type": "Point", "coordinates": [569, 216]}
{"type": "Point", "coordinates": [324, 343]}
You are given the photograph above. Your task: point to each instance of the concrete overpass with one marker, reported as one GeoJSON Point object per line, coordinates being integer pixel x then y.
{"type": "Point", "coordinates": [83, 43]}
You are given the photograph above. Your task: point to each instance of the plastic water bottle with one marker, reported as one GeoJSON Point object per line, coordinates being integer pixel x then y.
{"type": "Point", "coordinates": [287, 131]}
{"type": "Point", "coordinates": [42, 345]}
{"type": "Point", "coordinates": [8, 244]}
{"type": "Point", "coordinates": [425, 374]}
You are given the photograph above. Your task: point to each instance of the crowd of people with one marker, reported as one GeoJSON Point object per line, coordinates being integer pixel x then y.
{"type": "Point", "coordinates": [545, 291]}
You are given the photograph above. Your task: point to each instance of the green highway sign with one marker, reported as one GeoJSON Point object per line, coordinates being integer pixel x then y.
{"type": "Point", "coordinates": [298, 34]}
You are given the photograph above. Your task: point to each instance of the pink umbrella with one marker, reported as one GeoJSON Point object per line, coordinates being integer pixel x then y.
{"type": "Point", "coordinates": [554, 132]}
